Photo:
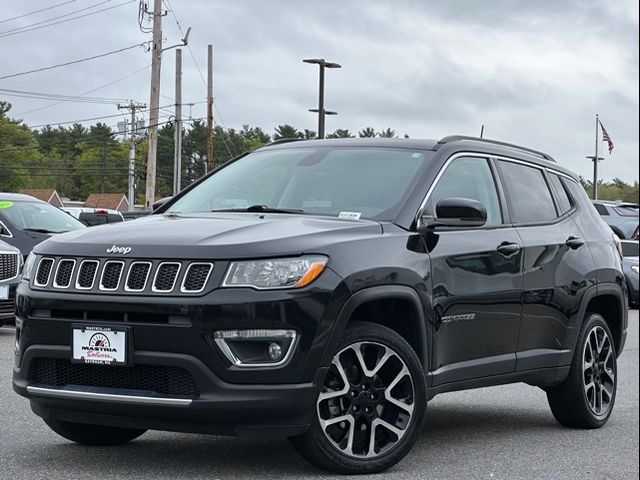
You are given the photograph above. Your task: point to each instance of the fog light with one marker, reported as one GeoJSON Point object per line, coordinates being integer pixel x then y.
{"type": "Point", "coordinates": [275, 351]}
{"type": "Point", "coordinates": [256, 348]}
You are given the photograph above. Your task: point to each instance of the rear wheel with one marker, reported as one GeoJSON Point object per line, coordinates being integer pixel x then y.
{"type": "Point", "coordinates": [586, 398]}
{"type": "Point", "coordinates": [371, 406]}
{"type": "Point", "coordinates": [95, 435]}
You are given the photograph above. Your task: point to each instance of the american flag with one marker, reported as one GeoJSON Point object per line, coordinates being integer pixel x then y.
{"type": "Point", "coordinates": [606, 138]}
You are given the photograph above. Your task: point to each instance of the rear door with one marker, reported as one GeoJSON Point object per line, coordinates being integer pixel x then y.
{"type": "Point", "coordinates": [557, 262]}
{"type": "Point", "coordinates": [476, 279]}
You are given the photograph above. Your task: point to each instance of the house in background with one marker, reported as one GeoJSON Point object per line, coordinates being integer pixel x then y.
{"type": "Point", "coordinates": [49, 195]}
{"type": "Point", "coordinates": [110, 201]}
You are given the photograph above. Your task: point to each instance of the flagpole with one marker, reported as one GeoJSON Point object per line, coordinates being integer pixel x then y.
{"type": "Point", "coordinates": [595, 165]}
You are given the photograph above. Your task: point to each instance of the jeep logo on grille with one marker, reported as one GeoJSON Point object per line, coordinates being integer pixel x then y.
{"type": "Point", "coordinates": [120, 250]}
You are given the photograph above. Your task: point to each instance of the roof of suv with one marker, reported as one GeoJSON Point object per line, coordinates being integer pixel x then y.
{"type": "Point", "coordinates": [458, 142]}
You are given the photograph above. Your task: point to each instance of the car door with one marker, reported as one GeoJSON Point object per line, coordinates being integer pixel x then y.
{"type": "Point", "coordinates": [476, 279]}
{"type": "Point", "coordinates": [557, 263]}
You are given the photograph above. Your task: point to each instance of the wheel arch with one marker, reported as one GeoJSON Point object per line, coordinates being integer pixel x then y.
{"type": "Point", "coordinates": [374, 300]}
{"type": "Point", "coordinates": [607, 300]}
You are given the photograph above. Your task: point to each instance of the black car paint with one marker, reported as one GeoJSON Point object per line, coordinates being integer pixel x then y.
{"type": "Point", "coordinates": [514, 318]}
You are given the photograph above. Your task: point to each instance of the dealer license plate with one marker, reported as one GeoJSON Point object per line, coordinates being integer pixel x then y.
{"type": "Point", "coordinates": [4, 292]}
{"type": "Point", "coordinates": [101, 345]}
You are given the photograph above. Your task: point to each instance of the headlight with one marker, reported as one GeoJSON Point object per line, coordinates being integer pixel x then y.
{"type": "Point", "coordinates": [28, 266]}
{"type": "Point", "coordinates": [276, 273]}
{"type": "Point", "coordinates": [635, 268]}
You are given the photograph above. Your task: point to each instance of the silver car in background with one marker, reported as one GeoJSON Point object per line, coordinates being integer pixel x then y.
{"type": "Point", "coordinates": [622, 217]}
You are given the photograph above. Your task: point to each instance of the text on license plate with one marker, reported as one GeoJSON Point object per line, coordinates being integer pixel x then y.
{"type": "Point", "coordinates": [100, 345]}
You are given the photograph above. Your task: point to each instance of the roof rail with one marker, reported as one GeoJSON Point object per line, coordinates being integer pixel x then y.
{"type": "Point", "coordinates": [456, 138]}
{"type": "Point", "coordinates": [284, 140]}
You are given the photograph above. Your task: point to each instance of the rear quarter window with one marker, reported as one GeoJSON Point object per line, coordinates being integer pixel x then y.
{"type": "Point", "coordinates": [529, 197]}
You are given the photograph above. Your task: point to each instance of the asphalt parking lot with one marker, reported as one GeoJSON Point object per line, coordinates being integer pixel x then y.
{"type": "Point", "coordinates": [503, 432]}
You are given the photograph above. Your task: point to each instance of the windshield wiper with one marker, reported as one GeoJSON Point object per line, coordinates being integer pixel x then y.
{"type": "Point", "coordinates": [261, 209]}
{"type": "Point", "coordinates": [44, 230]}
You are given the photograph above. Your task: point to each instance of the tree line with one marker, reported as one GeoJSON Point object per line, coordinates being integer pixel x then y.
{"type": "Point", "coordinates": [77, 160]}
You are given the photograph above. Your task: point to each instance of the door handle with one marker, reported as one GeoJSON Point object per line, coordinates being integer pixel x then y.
{"type": "Point", "coordinates": [507, 248]}
{"type": "Point", "coordinates": [574, 243]}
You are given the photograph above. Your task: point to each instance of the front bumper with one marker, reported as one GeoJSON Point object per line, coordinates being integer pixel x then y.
{"type": "Point", "coordinates": [219, 408]}
{"type": "Point", "coordinates": [172, 332]}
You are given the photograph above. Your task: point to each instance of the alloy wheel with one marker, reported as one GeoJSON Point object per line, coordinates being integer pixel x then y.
{"type": "Point", "coordinates": [366, 404]}
{"type": "Point", "coordinates": [598, 362]}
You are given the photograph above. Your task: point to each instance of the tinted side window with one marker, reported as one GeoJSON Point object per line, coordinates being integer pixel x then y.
{"type": "Point", "coordinates": [468, 177]}
{"type": "Point", "coordinates": [602, 210]}
{"type": "Point", "coordinates": [529, 196]}
{"type": "Point", "coordinates": [564, 202]}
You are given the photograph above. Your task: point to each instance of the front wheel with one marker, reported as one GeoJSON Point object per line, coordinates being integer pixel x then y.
{"type": "Point", "coordinates": [94, 435]}
{"type": "Point", "coordinates": [585, 399]}
{"type": "Point", "coordinates": [371, 406]}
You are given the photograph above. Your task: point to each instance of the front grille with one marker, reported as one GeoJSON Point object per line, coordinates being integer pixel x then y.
{"type": "Point", "coordinates": [44, 271]}
{"type": "Point", "coordinates": [161, 380]}
{"type": "Point", "coordinates": [87, 274]}
{"type": "Point", "coordinates": [166, 277]}
{"type": "Point", "coordinates": [9, 265]}
{"type": "Point", "coordinates": [111, 275]}
{"type": "Point", "coordinates": [137, 277]}
{"type": "Point", "coordinates": [118, 277]}
{"type": "Point", "coordinates": [196, 277]}
{"type": "Point", "coordinates": [63, 273]}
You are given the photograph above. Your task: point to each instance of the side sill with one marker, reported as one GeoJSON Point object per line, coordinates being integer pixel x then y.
{"type": "Point", "coordinates": [542, 377]}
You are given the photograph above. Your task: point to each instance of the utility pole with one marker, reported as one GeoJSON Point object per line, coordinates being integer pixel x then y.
{"type": "Point", "coordinates": [177, 157]}
{"type": "Point", "coordinates": [156, 60]}
{"type": "Point", "coordinates": [131, 194]}
{"type": "Point", "coordinates": [210, 108]}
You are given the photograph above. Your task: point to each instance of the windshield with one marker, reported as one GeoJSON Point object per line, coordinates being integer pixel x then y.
{"type": "Point", "coordinates": [627, 210]}
{"type": "Point", "coordinates": [344, 182]}
{"type": "Point", "coordinates": [38, 216]}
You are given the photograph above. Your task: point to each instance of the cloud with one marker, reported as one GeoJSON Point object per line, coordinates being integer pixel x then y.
{"type": "Point", "coordinates": [532, 72]}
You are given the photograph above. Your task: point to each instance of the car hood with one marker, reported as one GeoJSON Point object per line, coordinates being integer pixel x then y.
{"type": "Point", "coordinates": [211, 236]}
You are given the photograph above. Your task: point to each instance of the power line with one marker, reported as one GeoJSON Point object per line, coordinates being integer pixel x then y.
{"type": "Point", "coordinates": [204, 82]}
{"type": "Point", "coordinates": [57, 96]}
{"type": "Point", "coordinates": [87, 92]}
{"type": "Point", "coordinates": [36, 11]}
{"type": "Point", "coordinates": [95, 137]}
{"type": "Point", "coordinates": [49, 23]}
{"type": "Point", "coordinates": [99, 118]}
{"type": "Point", "coordinates": [75, 61]}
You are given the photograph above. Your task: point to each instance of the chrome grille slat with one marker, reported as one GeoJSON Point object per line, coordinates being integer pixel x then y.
{"type": "Point", "coordinates": [64, 272]}
{"type": "Point", "coordinates": [196, 277]}
{"type": "Point", "coordinates": [166, 276]}
{"type": "Point", "coordinates": [111, 275]}
{"type": "Point", "coordinates": [87, 274]}
{"type": "Point", "coordinates": [137, 276]}
{"type": "Point", "coordinates": [44, 272]}
{"type": "Point", "coordinates": [9, 265]}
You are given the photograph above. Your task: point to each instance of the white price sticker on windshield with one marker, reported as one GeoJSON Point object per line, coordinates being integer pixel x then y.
{"type": "Point", "coordinates": [350, 215]}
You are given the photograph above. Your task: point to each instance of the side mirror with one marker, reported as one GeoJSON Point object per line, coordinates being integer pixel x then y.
{"type": "Point", "coordinates": [455, 212]}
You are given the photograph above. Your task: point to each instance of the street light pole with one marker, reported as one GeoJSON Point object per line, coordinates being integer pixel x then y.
{"type": "Point", "coordinates": [322, 63]}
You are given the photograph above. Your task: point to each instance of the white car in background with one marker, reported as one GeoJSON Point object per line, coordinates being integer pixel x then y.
{"type": "Point", "coordinates": [94, 216]}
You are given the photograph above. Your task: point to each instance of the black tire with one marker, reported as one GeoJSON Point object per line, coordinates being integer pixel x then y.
{"type": "Point", "coordinates": [93, 435]}
{"type": "Point", "coordinates": [572, 402]}
{"type": "Point", "coordinates": [365, 402]}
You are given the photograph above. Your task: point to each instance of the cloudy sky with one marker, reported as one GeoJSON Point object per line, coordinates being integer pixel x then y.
{"type": "Point", "coordinates": [534, 73]}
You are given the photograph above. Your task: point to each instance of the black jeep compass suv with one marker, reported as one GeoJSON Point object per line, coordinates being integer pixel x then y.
{"type": "Point", "coordinates": [326, 290]}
